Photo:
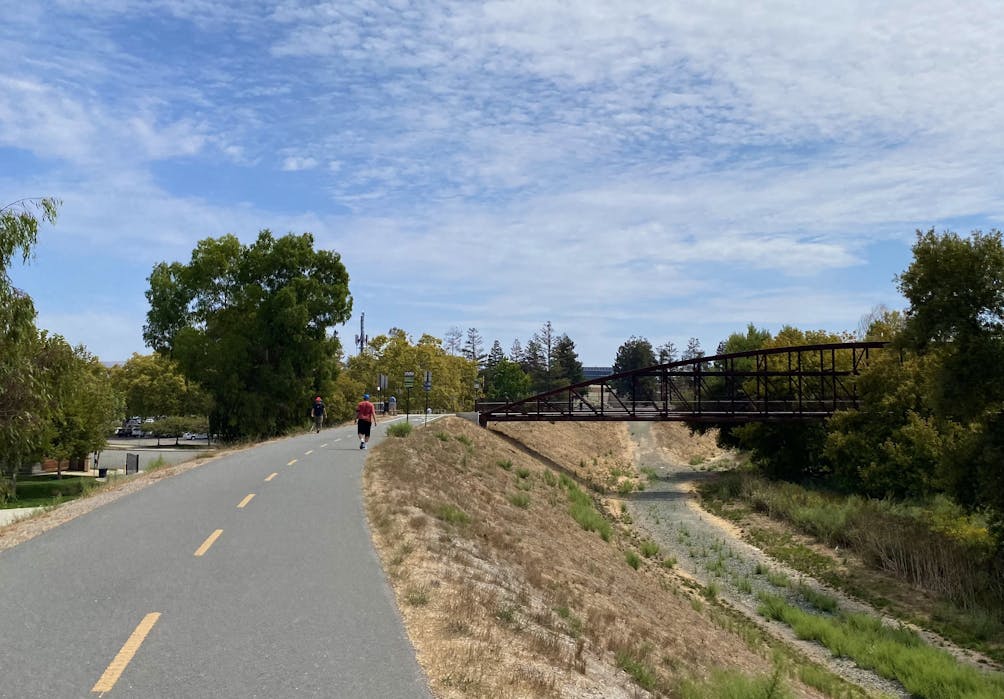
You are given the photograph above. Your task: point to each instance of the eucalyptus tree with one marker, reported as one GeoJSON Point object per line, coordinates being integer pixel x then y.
{"type": "Point", "coordinates": [253, 325]}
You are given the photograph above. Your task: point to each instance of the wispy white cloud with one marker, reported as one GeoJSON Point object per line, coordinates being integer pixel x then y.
{"type": "Point", "coordinates": [638, 165]}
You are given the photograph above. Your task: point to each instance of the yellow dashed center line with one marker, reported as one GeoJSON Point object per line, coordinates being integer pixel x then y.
{"type": "Point", "coordinates": [208, 542]}
{"type": "Point", "coordinates": [291, 462]}
{"type": "Point", "coordinates": [118, 665]}
{"type": "Point", "coordinates": [309, 452]}
{"type": "Point", "coordinates": [245, 501]}
{"type": "Point", "coordinates": [271, 477]}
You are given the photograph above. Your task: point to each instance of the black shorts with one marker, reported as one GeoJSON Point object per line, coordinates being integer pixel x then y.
{"type": "Point", "coordinates": [364, 427]}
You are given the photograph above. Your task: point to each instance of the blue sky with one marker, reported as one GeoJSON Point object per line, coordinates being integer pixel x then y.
{"type": "Point", "coordinates": [657, 169]}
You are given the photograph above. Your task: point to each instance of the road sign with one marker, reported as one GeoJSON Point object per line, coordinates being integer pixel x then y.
{"type": "Point", "coordinates": [427, 386]}
{"type": "Point", "coordinates": [409, 379]}
{"type": "Point", "coordinates": [382, 382]}
{"type": "Point", "coordinates": [428, 377]}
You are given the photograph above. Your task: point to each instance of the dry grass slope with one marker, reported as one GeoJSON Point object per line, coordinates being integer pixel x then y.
{"type": "Point", "coordinates": [504, 594]}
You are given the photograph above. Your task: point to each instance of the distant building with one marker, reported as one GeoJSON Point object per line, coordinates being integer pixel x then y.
{"type": "Point", "coordinates": [595, 372]}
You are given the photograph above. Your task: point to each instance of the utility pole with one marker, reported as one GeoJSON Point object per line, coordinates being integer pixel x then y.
{"type": "Point", "coordinates": [361, 337]}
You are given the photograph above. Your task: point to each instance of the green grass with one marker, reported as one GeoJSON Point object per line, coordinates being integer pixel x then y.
{"type": "Point", "coordinates": [574, 623]}
{"type": "Point", "coordinates": [649, 549]}
{"type": "Point", "coordinates": [892, 652]}
{"type": "Point", "coordinates": [465, 440]}
{"type": "Point", "coordinates": [778, 579]}
{"type": "Point", "coordinates": [584, 512]}
{"type": "Point", "coordinates": [729, 684]}
{"type": "Point", "coordinates": [451, 514]}
{"type": "Point", "coordinates": [819, 600]}
{"type": "Point", "coordinates": [633, 662]}
{"type": "Point", "coordinates": [46, 491]}
{"type": "Point", "coordinates": [632, 559]}
{"type": "Point", "coordinates": [156, 464]}
{"type": "Point", "coordinates": [521, 500]}
{"type": "Point", "coordinates": [442, 437]}
{"type": "Point", "coordinates": [504, 464]}
{"type": "Point", "coordinates": [399, 429]}
{"type": "Point", "coordinates": [523, 472]}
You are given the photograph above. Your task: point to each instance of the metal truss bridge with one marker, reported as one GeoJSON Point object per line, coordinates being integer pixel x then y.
{"type": "Point", "coordinates": [808, 382]}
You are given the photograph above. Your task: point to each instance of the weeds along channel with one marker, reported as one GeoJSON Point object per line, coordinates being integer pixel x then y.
{"type": "Point", "coordinates": [516, 579]}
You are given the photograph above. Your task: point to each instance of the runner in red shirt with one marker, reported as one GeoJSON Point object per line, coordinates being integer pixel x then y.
{"type": "Point", "coordinates": [365, 419]}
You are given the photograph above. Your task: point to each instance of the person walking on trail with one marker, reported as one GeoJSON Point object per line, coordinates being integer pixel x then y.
{"type": "Point", "coordinates": [365, 419]}
{"type": "Point", "coordinates": [319, 413]}
{"type": "Point", "coordinates": [393, 405]}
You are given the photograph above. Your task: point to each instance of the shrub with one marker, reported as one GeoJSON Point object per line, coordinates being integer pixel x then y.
{"type": "Point", "coordinates": [649, 549]}
{"type": "Point", "coordinates": [632, 559]}
{"type": "Point", "coordinates": [504, 464]}
{"type": "Point", "coordinates": [452, 514]}
{"type": "Point", "coordinates": [521, 500]}
{"type": "Point", "coordinates": [399, 429]}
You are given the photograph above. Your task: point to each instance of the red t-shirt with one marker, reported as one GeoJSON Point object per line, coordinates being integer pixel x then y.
{"type": "Point", "coordinates": [365, 411]}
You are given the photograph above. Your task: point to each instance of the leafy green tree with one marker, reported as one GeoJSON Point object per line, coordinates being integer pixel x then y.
{"type": "Point", "coordinates": [635, 353]}
{"type": "Point", "coordinates": [957, 305]}
{"type": "Point", "coordinates": [22, 389]}
{"type": "Point", "coordinates": [956, 314]}
{"type": "Point", "coordinates": [153, 385]}
{"type": "Point", "coordinates": [567, 369]}
{"type": "Point", "coordinates": [508, 382]}
{"type": "Point", "coordinates": [82, 405]}
{"type": "Point", "coordinates": [789, 451]}
{"type": "Point", "coordinates": [251, 325]}
{"type": "Point", "coordinates": [393, 354]}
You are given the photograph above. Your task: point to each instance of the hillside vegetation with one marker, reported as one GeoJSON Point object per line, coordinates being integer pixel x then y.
{"type": "Point", "coordinates": [513, 584]}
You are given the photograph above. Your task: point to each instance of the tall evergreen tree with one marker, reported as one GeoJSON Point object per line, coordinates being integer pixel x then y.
{"type": "Point", "coordinates": [474, 347]}
{"type": "Point", "coordinates": [453, 341]}
{"type": "Point", "coordinates": [635, 353]}
{"type": "Point", "coordinates": [516, 352]}
{"type": "Point", "coordinates": [534, 365]}
{"type": "Point", "coordinates": [567, 369]}
{"type": "Point", "coordinates": [667, 352]}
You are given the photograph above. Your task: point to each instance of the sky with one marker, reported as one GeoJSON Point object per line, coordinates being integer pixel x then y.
{"type": "Point", "coordinates": [663, 170]}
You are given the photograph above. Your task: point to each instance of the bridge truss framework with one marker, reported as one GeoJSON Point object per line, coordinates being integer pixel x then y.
{"type": "Point", "coordinates": [808, 382]}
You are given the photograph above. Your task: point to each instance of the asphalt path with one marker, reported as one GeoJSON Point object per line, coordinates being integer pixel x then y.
{"type": "Point", "coordinates": [251, 576]}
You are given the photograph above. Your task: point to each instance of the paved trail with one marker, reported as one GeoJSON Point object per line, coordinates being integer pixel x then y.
{"type": "Point", "coordinates": [252, 575]}
{"type": "Point", "coordinates": [708, 550]}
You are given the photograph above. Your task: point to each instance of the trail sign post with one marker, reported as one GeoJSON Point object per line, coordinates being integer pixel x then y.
{"type": "Point", "coordinates": [409, 381]}
{"type": "Point", "coordinates": [427, 385]}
